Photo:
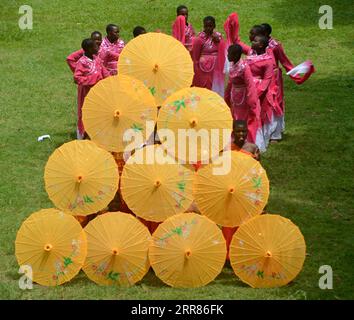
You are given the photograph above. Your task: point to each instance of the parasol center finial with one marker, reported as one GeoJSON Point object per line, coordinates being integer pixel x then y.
{"type": "Point", "coordinates": [48, 247]}
{"type": "Point", "coordinates": [232, 190]}
{"type": "Point", "coordinates": [115, 251]}
{"type": "Point", "coordinates": [188, 253]}
{"type": "Point", "coordinates": [157, 183]}
{"type": "Point", "coordinates": [117, 114]}
{"type": "Point", "coordinates": [156, 68]}
{"type": "Point", "coordinates": [268, 254]}
{"type": "Point", "coordinates": [193, 122]}
{"type": "Point", "coordinates": [79, 179]}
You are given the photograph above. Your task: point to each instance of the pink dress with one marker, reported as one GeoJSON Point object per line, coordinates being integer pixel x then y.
{"type": "Point", "coordinates": [189, 37]}
{"type": "Point", "coordinates": [109, 53]}
{"type": "Point", "coordinates": [73, 58]}
{"type": "Point", "coordinates": [87, 73]}
{"type": "Point", "coordinates": [280, 57]}
{"type": "Point", "coordinates": [242, 97]}
{"type": "Point", "coordinates": [183, 32]}
{"type": "Point", "coordinates": [263, 70]}
{"type": "Point", "coordinates": [209, 60]}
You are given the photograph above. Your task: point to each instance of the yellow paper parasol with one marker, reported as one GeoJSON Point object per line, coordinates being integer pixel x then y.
{"type": "Point", "coordinates": [115, 105]}
{"type": "Point", "coordinates": [117, 252]}
{"type": "Point", "coordinates": [53, 244]}
{"type": "Point", "coordinates": [188, 250]}
{"type": "Point", "coordinates": [232, 198]}
{"type": "Point", "coordinates": [155, 190]}
{"type": "Point", "coordinates": [81, 178]}
{"type": "Point", "coordinates": [193, 112]}
{"type": "Point", "coordinates": [267, 251]}
{"type": "Point", "coordinates": [160, 61]}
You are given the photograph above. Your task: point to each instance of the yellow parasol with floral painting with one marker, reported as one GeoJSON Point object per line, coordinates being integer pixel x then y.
{"type": "Point", "coordinates": [117, 251]}
{"type": "Point", "coordinates": [187, 251]}
{"type": "Point", "coordinates": [267, 251]}
{"type": "Point", "coordinates": [53, 245]}
{"type": "Point", "coordinates": [234, 194]}
{"type": "Point", "coordinates": [81, 178]}
{"type": "Point", "coordinates": [160, 61]}
{"type": "Point", "coordinates": [154, 186]}
{"type": "Point", "coordinates": [117, 111]}
{"type": "Point", "coordinates": [201, 124]}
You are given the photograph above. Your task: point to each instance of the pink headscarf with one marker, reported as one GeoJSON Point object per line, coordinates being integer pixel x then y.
{"type": "Point", "coordinates": [178, 29]}
{"type": "Point", "coordinates": [231, 28]}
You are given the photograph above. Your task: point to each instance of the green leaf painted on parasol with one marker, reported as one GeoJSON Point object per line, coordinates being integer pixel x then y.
{"type": "Point", "coordinates": [257, 182]}
{"type": "Point", "coordinates": [67, 261]}
{"type": "Point", "coordinates": [137, 127]}
{"type": "Point", "coordinates": [152, 90]}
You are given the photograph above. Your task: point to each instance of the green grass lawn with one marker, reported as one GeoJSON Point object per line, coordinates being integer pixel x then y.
{"type": "Point", "coordinates": [311, 171]}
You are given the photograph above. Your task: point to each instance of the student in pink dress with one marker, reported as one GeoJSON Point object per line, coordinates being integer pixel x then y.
{"type": "Point", "coordinates": [242, 97]}
{"type": "Point", "coordinates": [74, 57]}
{"type": "Point", "coordinates": [182, 30]}
{"type": "Point", "coordinates": [209, 58]}
{"type": "Point", "coordinates": [262, 65]}
{"type": "Point", "coordinates": [281, 59]}
{"type": "Point", "coordinates": [110, 49]}
{"type": "Point", "coordinates": [89, 70]}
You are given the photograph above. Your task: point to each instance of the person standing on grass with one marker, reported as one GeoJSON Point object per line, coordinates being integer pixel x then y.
{"type": "Point", "coordinates": [74, 57]}
{"type": "Point", "coordinates": [182, 30]}
{"type": "Point", "coordinates": [111, 48]}
{"type": "Point", "coordinates": [262, 65]}
{"type": "Point", "coordinates": [208, 55]}
{"type": "Point", "coordinates": [281, 59]}
{"type": "Point", "coordinates": [242, 98]}
{"type": "Point", "coordinates": [89, 70]}
{"type": "Point", "coordinates": [138, 30]}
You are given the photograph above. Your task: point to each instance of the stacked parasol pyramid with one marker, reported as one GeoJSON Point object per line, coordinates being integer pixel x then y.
{"type": "Point", "coordinates": [158, 183]}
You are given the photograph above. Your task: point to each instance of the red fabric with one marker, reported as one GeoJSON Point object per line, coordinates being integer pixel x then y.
{"type": "Point", "coordinates": [179, 29]}
{"type": "Point", "coordinates": [183, 32]}
{"type": "Point", "coordinates": [152, 226]}
{"type": "Point", "coordinates": [301, 80]}
{"type": "Point", "coordinates": [228, 234]}
{"type": "Point", "coordinates": [246, 49]}
{"type": "Point", "coordinates": [242, 98]}
{"type": "Point", "coordinates": [231, 27]}
{"type": "Point", "coordinates": [109, 53]}
{"type": "Point", "coordinates": [197, 165]}
{"type": "Point", "coordinates": [73, 58]}
{"type": "Point", "coordinates": [87, 73]}
{"type": "Point", "coordinates": [279, 54]}
{"type": "Point", "coordinates": [219, 76]}
{"type": "Point", "coordinates": [280, 58]}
